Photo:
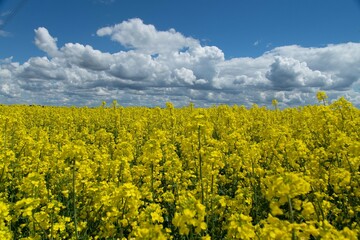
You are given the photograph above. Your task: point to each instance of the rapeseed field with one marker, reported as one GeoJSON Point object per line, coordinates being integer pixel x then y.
{"type": "Point", "coordinates": [224, 172]}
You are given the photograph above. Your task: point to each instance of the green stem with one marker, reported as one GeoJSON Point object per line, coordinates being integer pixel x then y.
{"type": "Point", "coordinates": [36, 222]}
{"type": "Point", "coordinates": [74, 200]}
{"type": "Point", "coordinates": [152, 181]}
{"type": "Point", "coordinates": [5, 129]}
{"type": "Point", "coordinates": [200, 167]}
{"type": "Point", "coordinates": [211, 205]}
{"type": "Point", "coordinates": [293, 237]}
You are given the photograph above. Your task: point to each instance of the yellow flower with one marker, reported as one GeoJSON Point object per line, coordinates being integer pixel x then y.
{"type": "Point", "coordinates": [207, 237]}
{"type": "Point", "coordinates": [156, 217]}
{"type": "Point", "coordinates": [308, 210]}
{"type": "Point", "coordinates": [275, 209]}
{"type": "Point", "coordinates": [188, 213]}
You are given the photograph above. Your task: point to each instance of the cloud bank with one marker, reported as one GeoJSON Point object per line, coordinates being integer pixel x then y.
{"type": "Point", "coordinates": [160, 66]}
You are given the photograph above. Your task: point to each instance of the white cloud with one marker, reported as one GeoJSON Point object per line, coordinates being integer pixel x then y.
{"type": "Point", "coordinates": [185, 75]}
{"type": "Point", "coordinates": [289, 74]}
{"type": "Point", "coordinates": [46, 42]}
{"type": "Point", "coordinates": [145, 38]}
{"type": "Point", "coordinates": [86, 57]}
{"type": "Point", "coordinates": [133, 66]}
{"type": "Point", "coordinates": [165, 66]}
{"type": "Point", "coordinates": [40, 67]}
{"type": "Point", "coordinates": [8, 81]}
{"type": "Point", "coordinates": [240, 73]}
{"type": "Point", "coordinates": [341, 61]}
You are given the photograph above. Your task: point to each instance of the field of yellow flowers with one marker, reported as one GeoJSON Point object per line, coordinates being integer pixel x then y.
{"type": "Point", "coordinates": [224, 172]}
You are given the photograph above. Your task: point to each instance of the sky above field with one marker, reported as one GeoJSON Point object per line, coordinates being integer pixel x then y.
{"type": "Point", "coordinates": [148, 52]}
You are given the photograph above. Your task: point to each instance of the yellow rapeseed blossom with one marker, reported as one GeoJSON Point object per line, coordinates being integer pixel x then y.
{"type": "Point", "coordinates": [5, 218]}
{"type": "Point", "coordinates": [228, 172]}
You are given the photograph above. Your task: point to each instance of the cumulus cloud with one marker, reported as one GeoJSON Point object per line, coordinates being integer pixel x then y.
{"type": "Point", "coordinates": [341, 61]}
{"type": "Point", "coordinates": [86, 57]}
{"type": "Point", "coordinates": [133, 66]}
{"type": "Point", "coordinates": [161, 66]}
{"type": "Point", "coordinates": [46, 42]}
{"type": "Point", "coordinates": [185, 75]}
{"type": "Point", "coordinates": [146, 38]}
{"type": "Point", "coordinates": [288, 74]}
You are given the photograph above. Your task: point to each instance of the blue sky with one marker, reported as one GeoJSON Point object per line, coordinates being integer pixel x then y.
{"type": "Point", "coordinates": [80, 52]}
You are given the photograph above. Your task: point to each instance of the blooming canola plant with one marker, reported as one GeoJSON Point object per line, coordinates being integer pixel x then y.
{"type": "Point", "coordinates": [224, 172]}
